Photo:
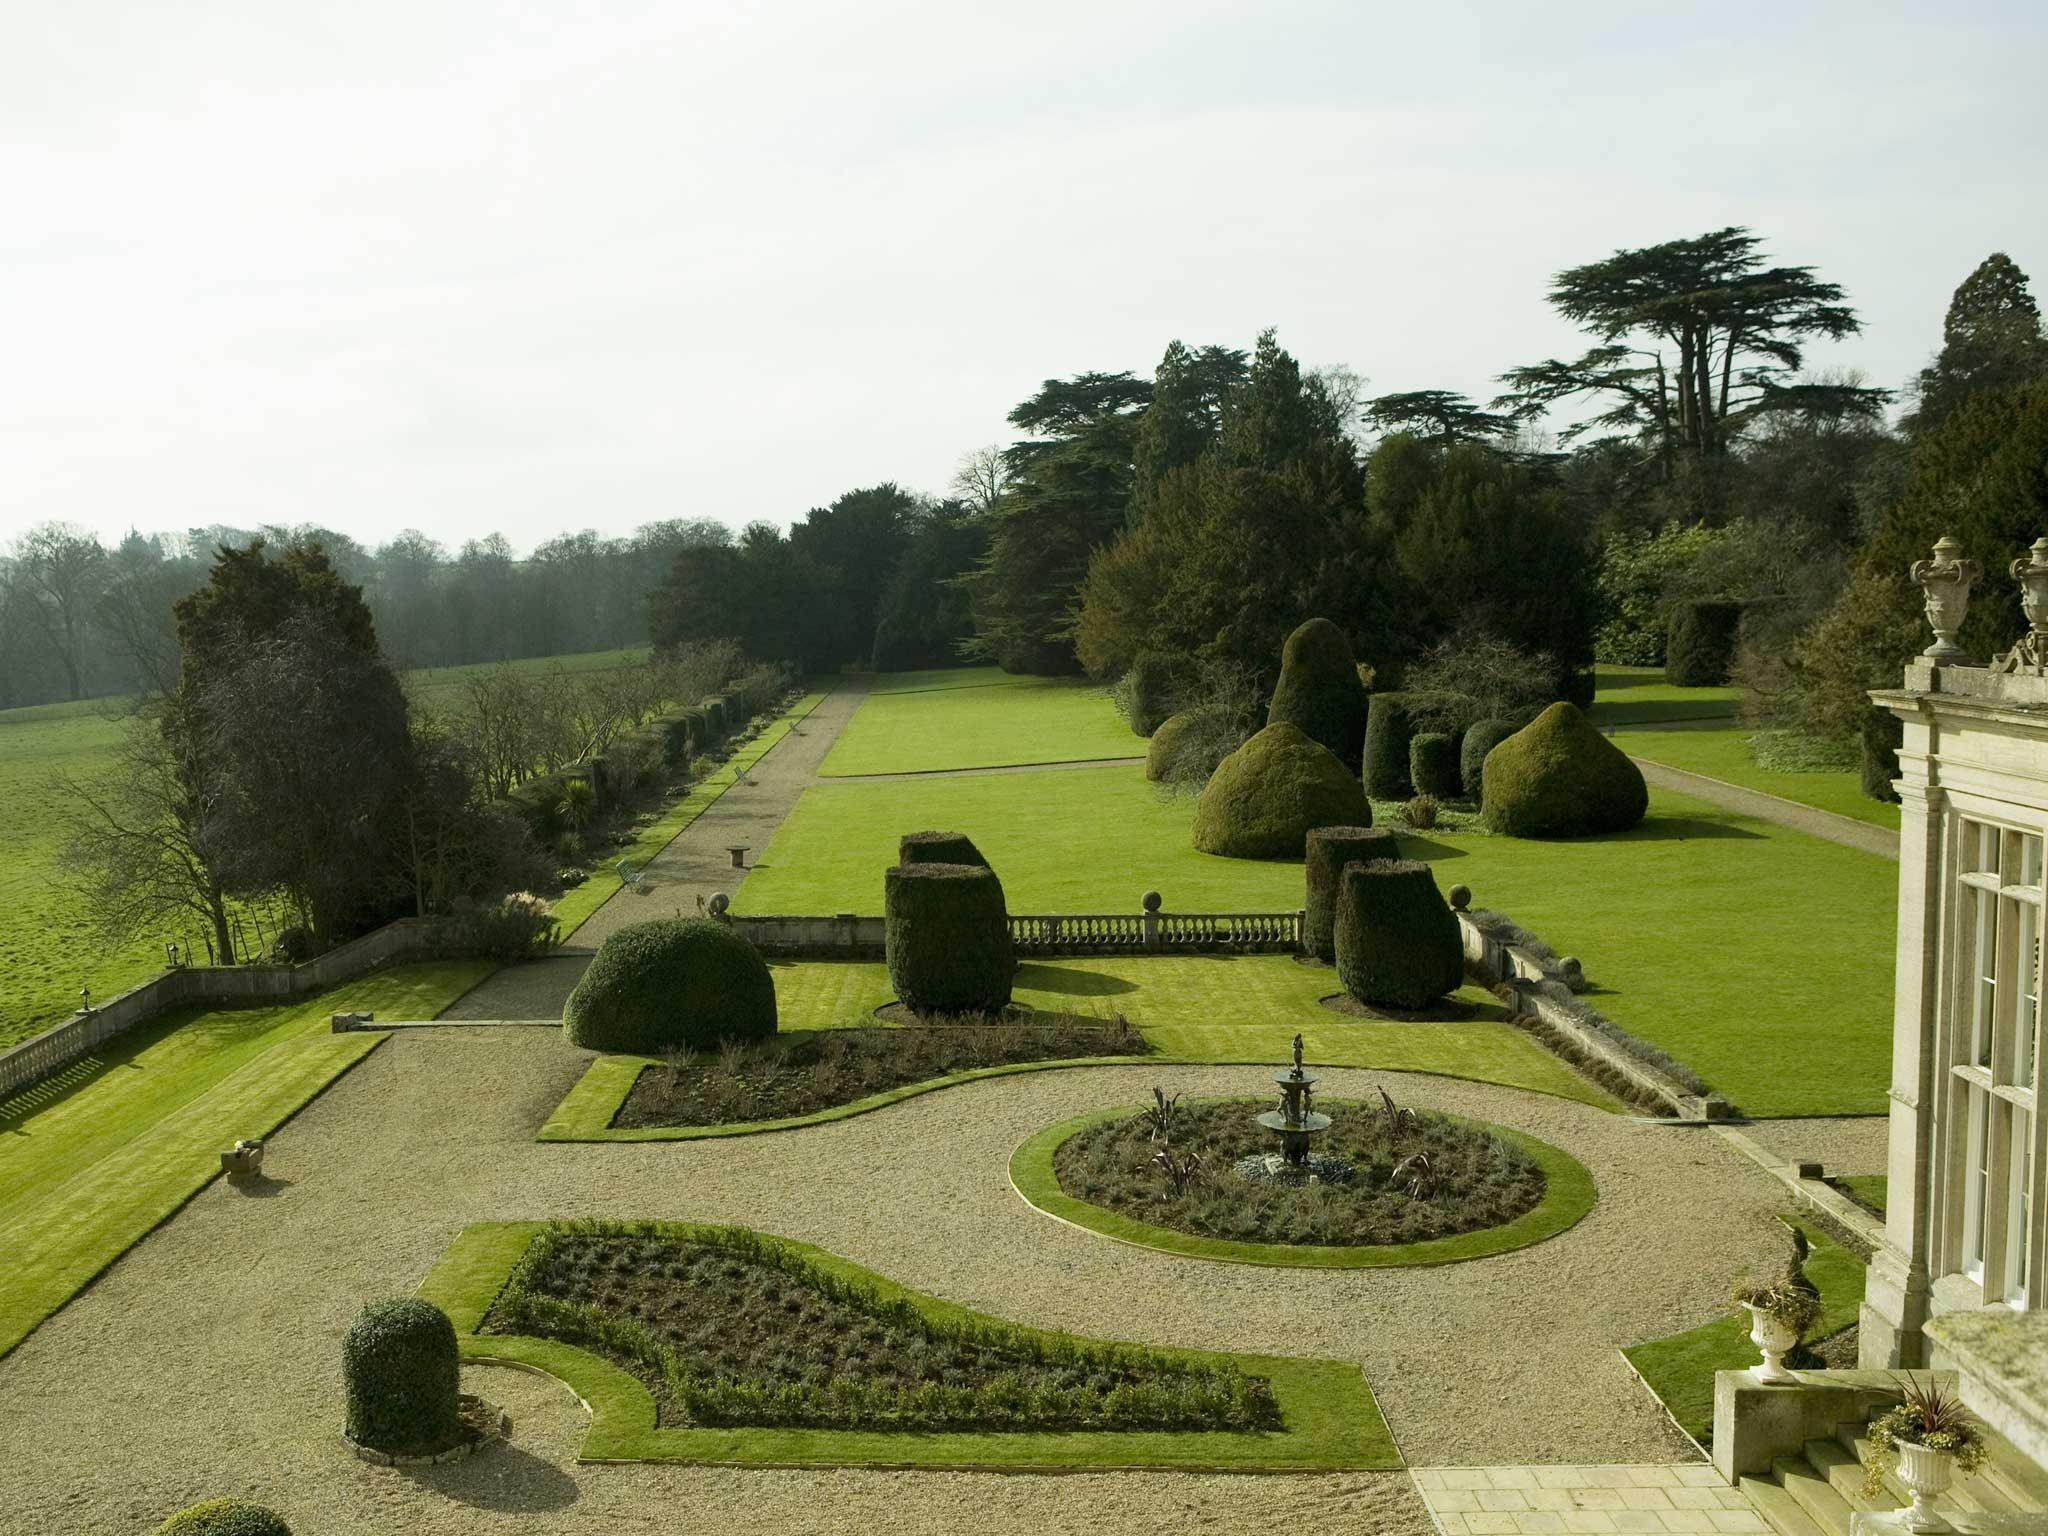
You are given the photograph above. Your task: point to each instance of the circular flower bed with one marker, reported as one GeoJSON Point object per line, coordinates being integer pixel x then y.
{"type": "Point", "coordinates": [1425, 1188]}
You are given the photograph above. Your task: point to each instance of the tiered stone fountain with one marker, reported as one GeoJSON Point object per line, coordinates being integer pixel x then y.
{"type": "Point", "coordinates": [1297, 1123]}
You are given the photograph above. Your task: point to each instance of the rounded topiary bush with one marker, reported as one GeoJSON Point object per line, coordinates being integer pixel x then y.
{"type": "Point", "coordinates": [1699, 645]}
{"type": "Point", "coordinates": [1392, 722]}
{"type": "Point", "coordinates": [946, 936]}
{"type": "Point", "coordinates": [1329, 850]}
{"type": "Point", "coordinates": [225, 1517]}
{"type": "Point", "coordinates": [1397, 943]}
{"type": "Point", "coordinates": [1319, 690]}
{"type": "Point", "coordinates": [1559, 777]}
{"type": "Point", "coordinates": [671, 982]}
{"type": "Point", "coordinates": [1433, 765]}
{"type": "Point", "coordinates": [1154, 684]}
{"type": "Point", "coordinates": [1480, 738]}
{"type": "Point", "coordinates": [1266, 797]}
{"type": "Point", "coordinates": [399, 1369]}
{"type": "Point", "coordinates": [1165, 745]}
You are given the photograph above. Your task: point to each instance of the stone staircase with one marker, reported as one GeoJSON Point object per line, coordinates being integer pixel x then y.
{"type": "Point", "coordinates": [1814, 1492]}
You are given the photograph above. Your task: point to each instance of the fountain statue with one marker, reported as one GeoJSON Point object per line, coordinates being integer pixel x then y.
{"type": "Point", "coordinates": [1297, 1123]}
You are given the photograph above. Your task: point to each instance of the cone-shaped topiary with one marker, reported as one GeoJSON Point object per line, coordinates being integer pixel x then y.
{"type": "Point", "coordinates": [1481, 737]}
{"type": "Point", "coordinates": [1265, 798]}
{"type": "Point", "coordinates": [1397, 943]}
{"type": "Point", "coordinates": [1165, 745]}
{"type": "Point", "coordinates": [398, 1367]}
{"type": "Point", "coordinates": [671, 982]}
{"type": "Point", "coordinates": [1319, 690]}
{"type": "Point", "coordinates": [1329, 850]}
{"type": "Point", "coordinates": [1433, 765]}
{"type": "Point", "coordinates": [1559, 777]}
{"type": "Point", "coordinates": [1391, 724]}
{"type": "Point", "coordinates": [225, 1517]}
{"type": "Point", "coordinates": [946, 936]}
{"type": "Point", "coordinates": [1699, 645]}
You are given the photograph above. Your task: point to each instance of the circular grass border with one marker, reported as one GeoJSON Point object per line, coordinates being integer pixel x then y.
{"type": "Point", "coordinates": [1569, 1193]}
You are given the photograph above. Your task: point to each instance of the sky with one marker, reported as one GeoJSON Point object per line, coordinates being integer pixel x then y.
{"type": "Point", "coordinates": [489, 267]}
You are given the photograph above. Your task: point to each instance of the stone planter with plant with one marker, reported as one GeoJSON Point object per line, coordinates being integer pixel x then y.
{"type": "Point", "coordinates": [1925, 1440]}
{"type": "Point", "coordinates": [1780, 1311]}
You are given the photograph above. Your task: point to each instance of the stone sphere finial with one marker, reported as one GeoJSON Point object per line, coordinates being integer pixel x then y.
{"type": "Point", "coordinates": [719, 902]}
{"type": "Point", "coordinates": [1461, 897]}
{"type": "Point", "coordinates": [1946, 580]}
{"type": "Point", "coordinates": [1151, 901]}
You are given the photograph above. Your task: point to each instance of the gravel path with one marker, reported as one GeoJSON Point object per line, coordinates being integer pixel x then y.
{"type": "Point", "coordinates": [206, 1360]}
{"type": "Point", "coordinates": [1846, 830]}
{"type": "Point", "coordinates": [1848, 1144]}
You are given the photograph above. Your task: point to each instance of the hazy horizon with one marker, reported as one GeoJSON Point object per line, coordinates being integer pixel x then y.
{"type": "Point", "coordinates": [467, 271]}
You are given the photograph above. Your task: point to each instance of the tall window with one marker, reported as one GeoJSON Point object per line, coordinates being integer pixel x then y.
{"type": "Point", "coordinates": [1993, 1055]}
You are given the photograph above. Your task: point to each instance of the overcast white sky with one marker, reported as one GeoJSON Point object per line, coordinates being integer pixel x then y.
{"type": "Point", "coordinates": [466, 267]}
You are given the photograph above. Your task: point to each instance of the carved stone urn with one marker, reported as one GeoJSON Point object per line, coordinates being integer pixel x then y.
{"type": "Point", "coordinates": [2032, 575]}
{"type": "Point", "coordinates": [1947, 580]}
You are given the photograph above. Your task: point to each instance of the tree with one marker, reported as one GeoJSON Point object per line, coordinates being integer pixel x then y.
{"type": "Point", "coordinates": [1186, 413]}
{"type": "Point", "coordinates": [853, 546]}
{"type": "Point", "coordinates": [1439, 415]}
{"type": "Point", "coordinates": [132, 615]}
{"type": "Point", "coordinates": [924, 618]}
{"type": "Point", "coordinates": [982, 478]}
{"type": "Point", "coordinates": [62, 571]}
{"type": "Point", "coordinates": [1735, 328]}
{"type": "Point", "coordinates": [1990, 339]}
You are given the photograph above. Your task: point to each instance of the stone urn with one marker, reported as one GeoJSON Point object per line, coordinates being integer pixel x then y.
{"type": "Point", "coordinates": [1773, 1336]}
{"type": "Point", "coordinates": [1926, 1474]}
{"type": "Point", "coordinates": [1946, 580]}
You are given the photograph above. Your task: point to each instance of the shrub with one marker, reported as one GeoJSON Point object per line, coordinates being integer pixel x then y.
{"type": "Point", "coordinates": [1481, 738]}
{"type": "Point", "coordinates": [225, 1517]}
{"type": "Point", "coordinates": [292, 946]}
{"type": "Point", "coordinates": [1267, 796]}
{"type": "Point", "coordinates": [1319, 690]}
{"type": "Point", "coordinates": [697, 726]}
{"type": "Point", "coordinates": [946, 937]}
{"type": "Point", "coordinates": [671, 982]}
{"type": "Point", "coordinates": [1397, 942]}
{"type": "Point", "coordinates": [1391, 726]}
{"type": "Point", "coordinates": [1559, 777]}
{"type": "Point", "coordinates": [714, 711]}
{"type": "Point", "coordinates": [1229, 701]}
{"type": "Point", "coordinates": [539, 803]}
{"type": "Point", "coordinates": [399, 1369]}
{"type": "Point", "coordinates": [1700, 645]}
{"type": "Point", "coordinates": [1433, 765]}
{"type": "Point", "coordinates": [938, 848]}
{"type": "Point", "coordinates": [1165, 746]}
{"type": "Point", "coordinates": [1421, 811]}
{"type": "Point", "coordinates": [514, 927]}
{"type": "Point", "coordinates": [1329, 850]}
{"type": "Point", "coordinates": [672, 733]}
{"type": "Point", "coordinates": [1153, 688]}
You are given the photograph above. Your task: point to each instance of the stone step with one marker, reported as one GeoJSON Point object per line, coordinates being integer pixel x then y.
{"type": "Point", "coordinates": [1843, 1469]}
{"type": "Point", "coordinates": [2015, 1477]}
{"type": "Point", "coordinates": [1780, 1511]}
{"type": "Point", "coordinates": [1813, 1493]}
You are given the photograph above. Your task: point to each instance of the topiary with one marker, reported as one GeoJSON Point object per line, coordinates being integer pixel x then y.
{"type": "Point", "coordinates": [1149, 690]}
{"type": "Point", "coordinates": [697, 723]}
{"type": "Point", "coordinates": [399, 1369]}
{"type": "Point", "coordinates": [1165, 745]}
{"type": "Point", "coordinates": [1265, 798]}
{"type": "Point", "coordinates": [1391, 723]}
{"type": "Point", "coordinates": [1397, 944]}
{"type": "Point", "coordinates": [671, 982]}
{"type": "Point", "coordinates": [1329, 850]}
{"type": "Point", "coordinates": [225, 1517]}
{"type": "Point", "coordinates": [1319, 690]}
{"type": "Point", "coordinates": [714, 711]}
{"type": "Point", "coordinates": [1699, 645]}
{"type": "Point", "coordinates": [946, 938]}
{"type": "Point", "coordinates": [938, 848]}
{"type": "Point", "coordinates": [1433, 765]}
{"type": "Point", "coordinates": [1481, 737]}
{"type": "Point", "coordinates": [1559, 777]}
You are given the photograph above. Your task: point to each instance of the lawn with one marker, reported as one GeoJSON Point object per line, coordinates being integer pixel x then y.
{"type": "Point", "coordinates": [1724, 754]}
{"type": "Point", "coordinates": [1626, 696]}
{"type": "Point", "coordinates": [1759, 955]}
{"type": "Point", "coordinates": [91, 1160]}
{"type": "Point", "coordinates": [918, 722]}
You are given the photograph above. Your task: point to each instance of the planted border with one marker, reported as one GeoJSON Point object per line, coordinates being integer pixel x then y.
{"type": "Point", "coordinates": [1568, 1195]}
{"type": "Point", "coordinates": [1332, 1420]}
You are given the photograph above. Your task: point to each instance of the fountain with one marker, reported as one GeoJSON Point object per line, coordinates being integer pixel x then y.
{"type": "Point", "coordinates": [1297, 1123]}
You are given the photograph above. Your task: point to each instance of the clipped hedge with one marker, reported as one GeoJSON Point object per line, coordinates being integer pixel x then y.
{"type": "Point", "coordinates": [539, 801]}
{"type": "Point", "coordinates": [1559, 777]}
{"type": "Point", "coordinates": [673, 732]}
{"type": "Point", "coordinates": [1433, 765]}
{"type": "Point", "coordinates": [1392, 722]}
{"type": "Point", "coordinates": [1397, 942]}
{"type": "Point", "coordinates": [1267, 796]}
{"type": "Point", "coordinates": [1481, 737]}
{"type": "Point", "coordinates": [671, 982]}
{"type": "Point", "coordinates": [225, 1517]}
{"type": "Point", "coordinates": [938, 848]}
{"type": "Point", "coordinates": [1155, 681]}
{"type": "Point", "coordinates": [1319, 690]}
{"type": "Point", "coordinates": [946, 938]}
{"type": "Point", "coordinates": [1165, 745]}
{"type": "Point", "coordinates": [1699, 645]}
{"type": "Point", "coordinates": [714, 710]}
{"type": "Point", "coordinates": [697, 725]}
{"type": "Point", "coordinates": [399, 1371]}
{"type": "Point", "coordinates": [1329, 850]}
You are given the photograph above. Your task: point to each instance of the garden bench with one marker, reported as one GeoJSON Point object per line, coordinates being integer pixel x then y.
{"type": "Point", "coordinates": [633, 876]}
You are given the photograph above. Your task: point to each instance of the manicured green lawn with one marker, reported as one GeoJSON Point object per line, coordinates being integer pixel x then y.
{"type": "Point", "coordinates": [1724, 754]}
{"type": "Point", "coordinates": [1329, 1418]}
{"type": "Point", "coordinates": [1625, 696]}
{"type": "Point", "coordinates": [915, 722]}
{"type": "Point", "coordinates": [1759, 955]}
{"type": "Point", "coordinates": [92, 1160]}
{"type": "Point", "coordinates": [1865, 1188]}
{"type": "Point", "coordinates": [1680, 1369]}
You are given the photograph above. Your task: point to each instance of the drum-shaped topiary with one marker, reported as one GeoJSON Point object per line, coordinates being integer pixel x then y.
{"type": "Point", "coordinates": [671, 982]}
{"type": "Point", "coordinates": [1559, 777]}
{"type": "Point", "coordinates": [399, 1369]}
{"type": "Point", "coordinates": [1319, 690]}
{"type": "Point", "coordinates": [1397, 943]}
{"type": "Point", "coordinates": [1481, 737]}
{"type": "Point", "coordinates": [1433, 765]}
{"type": "Point", "coordinates": [1329, 850]}
{"type": "Point", "coordinates": [1699, 645]}
{"type": "Point", "coordinates": [1165, 744]}
{"type": "Point", "coordinates": [225, 1517]}
{"type": "Point", "coordinates": [1266, 797]}
{"type": "Point", "coordinates": [946, 937]}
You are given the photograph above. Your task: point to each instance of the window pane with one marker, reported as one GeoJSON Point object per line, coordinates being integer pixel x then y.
{"type": "Point", "coordinates": [2030, 861]}
{"type": "Point", "coordinates": [1976, 1182]}
{"type": "Point", "coordinates": [2026, 1022]}
{"type": "Point", "coordinates": [2020, 1208]}
{"type": "Point", "coordinates": [1984, 967]}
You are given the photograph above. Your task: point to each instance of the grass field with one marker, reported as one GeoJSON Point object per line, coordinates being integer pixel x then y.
{"type": "Point", "coordinates": [1626, 696]}
{"type": "Point", "coordinates": [1724, 754]}
{"type": "Point", "coordinates": [978, 717]}
{"type": "Point", "coordinates": [1799, 1025]}
{"type": "Point", "coordinates": [91, 1160]}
